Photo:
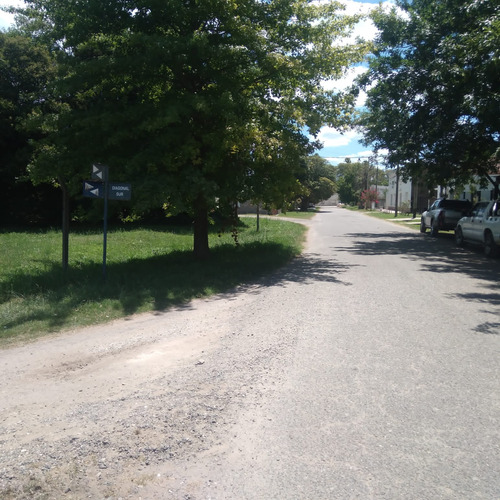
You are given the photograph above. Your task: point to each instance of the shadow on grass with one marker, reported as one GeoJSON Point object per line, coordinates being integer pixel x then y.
{"type": "Point", "coordinates": [154, 283]}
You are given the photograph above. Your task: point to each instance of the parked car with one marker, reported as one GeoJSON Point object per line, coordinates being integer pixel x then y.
{"type": "Point", "coordinates": [443, 215]}
{"type": "Point", "coordinates": [481, 226]}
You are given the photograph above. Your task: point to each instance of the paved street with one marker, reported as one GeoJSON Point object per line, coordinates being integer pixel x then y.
{"type": "Point", "coordinates": [391, 386]}
{"type": "Point", "coordinates": [366, 369]}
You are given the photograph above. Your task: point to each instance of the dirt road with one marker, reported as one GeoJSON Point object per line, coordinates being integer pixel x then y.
{"type": "Point", "coordinates": [365, 369]}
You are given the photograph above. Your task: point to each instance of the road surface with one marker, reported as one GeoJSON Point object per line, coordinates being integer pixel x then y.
{"type": "Point", "coordinates": [366, 369]}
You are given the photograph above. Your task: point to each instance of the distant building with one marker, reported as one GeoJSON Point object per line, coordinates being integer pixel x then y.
{"type": "Point", "coordinates": [482, 191]}
{"type": "Point", "coordinates": [398, 191]}
{"type": "Point", "coordinates": [412, 196]}
{"type": "Point", "coordinates": [381, 195]}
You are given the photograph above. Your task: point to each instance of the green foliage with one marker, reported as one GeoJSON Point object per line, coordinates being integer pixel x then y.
{"type": "Point", "coordinates": [148, 269]}
{"type": "Point", "coordinates": [195, 103]}
{"type": "Point", "coordinates": [317, 180]}
{"type": "Point", "coordinates": [435, 89]}
{"type": "Point", "coordinates": [25, 69]}
{"type": "Point", "coordinates": [354, 177]}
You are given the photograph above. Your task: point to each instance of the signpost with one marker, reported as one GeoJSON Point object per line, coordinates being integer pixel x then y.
{"type": "Point", "coordinates": [100, 187]}
{"type": "Point", "coordinates": [118, 191]}
{"type": "Point", "coordinates": [93, 189]}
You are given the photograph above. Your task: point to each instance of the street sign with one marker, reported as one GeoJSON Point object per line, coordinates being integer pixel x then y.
{"type": "Point", "coordinates": [119, 191]}
{"type": "Point", "coordinates": [93, 189]}
{"type": "Point", "coordinates": [99, 187]}
{"type": "Point", "coordinates": [99, 172]}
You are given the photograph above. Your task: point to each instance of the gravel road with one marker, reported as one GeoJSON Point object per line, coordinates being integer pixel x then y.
{"type": "Point", "coordinates": [366, 369]}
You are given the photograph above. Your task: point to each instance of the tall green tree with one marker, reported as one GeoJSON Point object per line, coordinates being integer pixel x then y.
{"type": "Point", "coordinates": [434, 92]}
{"type": "Point", "coordinates": [317, 181]}
{"type": "Point", "coordinates": [197, 102]}
{"type": "Point", "coordinates": [25, 70]}
{"type": "Point", "coordinates": [354, 177]}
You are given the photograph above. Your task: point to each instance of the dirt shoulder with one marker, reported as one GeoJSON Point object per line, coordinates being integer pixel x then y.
{"type": "Point", "coordinates": [122, 410]}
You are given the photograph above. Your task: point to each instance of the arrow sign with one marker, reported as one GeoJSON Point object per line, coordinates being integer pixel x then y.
{"type": "Point", "coordinates": [99, 172]}
{"type": "Point", "coordinates": [93, 189]}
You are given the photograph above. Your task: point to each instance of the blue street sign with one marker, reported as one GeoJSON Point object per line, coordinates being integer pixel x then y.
{"type": "Point", "coordinates": [93, 189]}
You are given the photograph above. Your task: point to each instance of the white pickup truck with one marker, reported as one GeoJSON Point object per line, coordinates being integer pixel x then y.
{"type": "Point", "coordinates": [481, 226]}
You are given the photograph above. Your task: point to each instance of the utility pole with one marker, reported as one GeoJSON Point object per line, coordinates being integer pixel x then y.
{"type": "Point", "coordinates": [397, 192]}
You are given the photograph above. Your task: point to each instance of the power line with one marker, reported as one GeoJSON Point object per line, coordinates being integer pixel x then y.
{"type": "Point", "coordinates": [350, 157]}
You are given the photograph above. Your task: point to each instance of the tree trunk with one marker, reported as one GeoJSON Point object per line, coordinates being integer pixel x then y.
{"type": "Point", "coordinates": [65, 225]}
{"type": "Point", "coordinates": [201, 249]}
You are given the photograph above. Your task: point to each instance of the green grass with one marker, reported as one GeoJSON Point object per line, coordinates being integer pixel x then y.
{"type": "Point", "coordinates": [147, 270]}
{"type": "Point", "coordinates": [309, 214]}
{"type": "Point", "coordinates": [401, 219]}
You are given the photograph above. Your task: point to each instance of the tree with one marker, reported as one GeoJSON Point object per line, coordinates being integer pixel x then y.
{"type": "Point", "coordinates": [25, 69]}
{"type": "Point", "coordinates": [352, 178]}
{"type": "Point", "coordinates": [197, 102]}
{"type": "Point", "coordinates": [317, 180]}
{"type": "Point", "coordinates": [369, 196]}
{"type": "Point", "coordinates": [435, 95]}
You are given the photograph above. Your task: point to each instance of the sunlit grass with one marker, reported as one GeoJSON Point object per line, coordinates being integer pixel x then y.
{"type": "Point", "coordinates": [147, 269]}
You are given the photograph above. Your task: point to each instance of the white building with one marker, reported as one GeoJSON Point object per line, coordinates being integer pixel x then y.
{"type": "Point", "coordinates": [478, 191]}
{"type": "Point", "coordinates": [403, 189]}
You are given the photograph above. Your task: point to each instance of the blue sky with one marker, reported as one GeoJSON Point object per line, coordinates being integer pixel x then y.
{"type": "Point", "coordinates": [336, 146]}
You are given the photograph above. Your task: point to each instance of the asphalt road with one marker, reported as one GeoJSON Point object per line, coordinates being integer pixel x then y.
{"type": "Point", "coordinates": [366, 369]}
{"type": "Point", "coordinates": [390, 387]}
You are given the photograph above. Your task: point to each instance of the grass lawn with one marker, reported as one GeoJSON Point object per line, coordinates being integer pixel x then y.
{"type": "Point", "coordinates": [147, 269]}
{"type": "Point", "coordinates": [402, 219]}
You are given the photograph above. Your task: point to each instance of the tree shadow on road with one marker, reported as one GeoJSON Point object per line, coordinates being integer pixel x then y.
{"type": "Point", "coordinates": [438, 255]}
{"type": "Point", "coordinates": [308, 269]}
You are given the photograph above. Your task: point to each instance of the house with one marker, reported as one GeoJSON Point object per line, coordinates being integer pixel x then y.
{"type": "Point", "coordinates": [399, 192]}
{"type": "Point", "coordinates": [482, 191]}
{"type": "Point", "coordinates": [381, 196]}
{"type": "Point", "coordinates": [415, 197]}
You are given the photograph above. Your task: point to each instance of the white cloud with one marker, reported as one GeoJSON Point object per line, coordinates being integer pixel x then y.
{"type": "Point", "coordinates": [6, 20]}
{"type": "Point", "coordinates": [332, 138]}
{"type": "Point", "coordinates": [346, 81]}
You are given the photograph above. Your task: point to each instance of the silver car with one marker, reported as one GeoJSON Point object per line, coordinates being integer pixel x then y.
{"type": "Point", "coordinates": [481, 226]}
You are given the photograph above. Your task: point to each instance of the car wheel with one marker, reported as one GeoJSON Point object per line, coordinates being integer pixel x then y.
{"type": "Point", "coordinates": [459, 237]}
{"type": "Point", "coordinates": [423, 227]}
{"type": "Point", "coordinates": [434, 228]}
{"type": "Point", "coordinates": [490, 248]}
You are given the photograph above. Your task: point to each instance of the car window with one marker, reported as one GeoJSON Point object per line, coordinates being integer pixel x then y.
{"type": "Point", "coordinates": [456, 204]}
{"type": "Point", "coordinates": [479, 209]}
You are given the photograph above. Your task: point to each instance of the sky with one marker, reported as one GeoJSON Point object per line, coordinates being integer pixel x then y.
{"type": "Point", "coordinates": [336, 146]}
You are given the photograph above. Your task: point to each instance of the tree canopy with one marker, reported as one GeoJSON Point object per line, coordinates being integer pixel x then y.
{"type": "Point", "coordinates": [199, 102]}
{"type": "Point", "coordinates": [355, 177]}
{"type": "Point", "coordinates": [434, 88]}
{"type": "Point", "coordinates": [317, 180]}
{"type": "Point", "coordinates": [25, 69]}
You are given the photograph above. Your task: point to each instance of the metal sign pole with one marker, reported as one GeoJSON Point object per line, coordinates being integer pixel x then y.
{"type": "Point", "coordinates": [105, 223]}
{"type": "Point", "coordinates": [100, 187]}
{"type": "Point", "coordinates": [105, 232]}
